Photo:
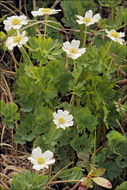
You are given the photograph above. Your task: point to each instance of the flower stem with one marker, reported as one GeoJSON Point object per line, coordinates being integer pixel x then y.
{"type": "Point", "coordinates": [108, 48]}
{"type": "Point", "coordinates": [45, 30]}
{"type": "Point", "coordinates": [94, 149]}
{"type": "Point", "coordinates": [84, 44]}
{"type": "Point", "coordinates": [26, 54]}
{"type": "Point", "coordinates": [112, 11]}
{"type": "Point", "coordinates": [75, 72]}
{"type": "Point", "coordinates": [75, 81]}
{"type": "Point", "coordinates": [80, 12]}
{"type": "Point", "coordinates": [50, 171]}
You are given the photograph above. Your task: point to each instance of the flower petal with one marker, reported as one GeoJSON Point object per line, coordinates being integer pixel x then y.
{"type": "Point", "coordinates": [50, 162]}
{"type": "Point", "coordinates": [66, 45]}
{"type": "Point", "coordinates": [37, 167]}
{"type": "Point", "coordinates": [80, 22]}
{"type": "Point", "coordinates": [33, 161]}
{"type": "Point", "coordinates": [47, 155]}
{"type": "Point", "coordinates": [80, 17]}
{"type": "Point", "coordinates": [89, 14]}
{"type": "Point", "coordinates": [34, 13]}
{"type": "Point", "coordinates": [75, 44]}
{"type": "Point", "coordinates": [36, 152]}
{"type": "Point", "coordinates": [122, 34]}
{"type": "Point", "coordinates": [96, 17]}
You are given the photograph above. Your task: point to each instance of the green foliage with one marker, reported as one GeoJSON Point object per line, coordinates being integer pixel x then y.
{"type": "Point", "coordinates": [71, 9]}
{"type": "Point", "coordinates": [74, 173]}
{"type": "Point", "coordinates": [28, 181]}
{"type": "Point", "coordinates": [10, 114]}
{"type": "Point", "coordinates": [53, 29]}
{"type": "Point", "coordinates": [82, 143]}
{"type": "Point", "coordinates": [110, 3]}
{"type": "Point", "coordinates": [118, 144]}
{"type": "Point", "coordinates": [48, 82]}
{"type": "Point", "coordinates": [124, 108]}
{"type": "Point", "coordinates": [85, 119]}
{"type": "Point", "coordinates": [35, 84]}
{"type": "Point", "coordinates": [106, 160]}
{"type": "Point", "coordinates": [122, 186]}
{"type": "Point", "coordinates": [2, 36]}
{"type": "Point", "coordinates": [120, 20]}
{"type": "Point", "coordinates": [76, 8]}
{"type": "Point", "coordinates": [44, 49]}
{"type": "Point", "coordinates": [115, 154]}
{"type": "Point", "coordinates": [34, 124]}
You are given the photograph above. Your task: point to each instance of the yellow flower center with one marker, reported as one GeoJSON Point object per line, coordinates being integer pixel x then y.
{"type": "Point", "coordinates": [46, 10]}
{"type": "Point", "coordinates": [114, 34]}
{"type": "Point", "coordinates": [72, 50]}
{"type": "Point", "coordinates": [15, 21]}
{"type": "Point", "coordinates": [17, 39]}
{"type": "Point", "coordinates": [61, 120]}
{"type": "Point", "coordinates": [86, 19]}
{"type": "Point", "coordinates": [41, 160]}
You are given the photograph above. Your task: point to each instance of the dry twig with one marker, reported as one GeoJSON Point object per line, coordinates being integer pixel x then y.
{"type": "Point", "coordinates": [119, 106]}
{"type": "Point", "coordinates": [118, 67]}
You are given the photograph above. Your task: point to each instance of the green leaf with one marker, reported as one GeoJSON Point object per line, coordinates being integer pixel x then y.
{"type": "Point", "coordinates": [26, 130]}
{"type": "Point", "coordinates": [28, 106]}
{"type": "Point", "coordinates": [117, 143]}
{"type": "Point", "coordinates": [98, 172]}
{"type": "Point", "coordinates": [122, 186]}
{"type": "Point", "coordinates": [74, 173]}
{"type": "Point", "coordinates": [112, 169]}
{"type": "Point", "coordinates": [34, 72]}
{"type": "Point", "coordinates": [110, 3]}
{"type": "Point", "coordinates": [85, 119]}
{"type": "Point", "coordinates": [82, 143]}
{"type": "Point", "coordinates": [52, 137]}
{"type": "Point", "coordinates": [85, 163]}
{"type": "Point", "coordinates": [10, 113]}
{"type": "Point", "coordinates": [44, 49]}
{"type": "Point", "coordinates": [2, 36]}
{"type": "Point", "coordinates": [28, 181]}
{"type": "Point", "coordinates": [64, 82]}
{"type": "Point", "coordinates": [122, 18]}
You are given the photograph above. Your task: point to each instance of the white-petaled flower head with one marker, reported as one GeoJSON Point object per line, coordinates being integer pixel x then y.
{"type": "Point", "coordinates": [116, 36]}
{"type": "Point", "coordinates": [45, 11]}
{"type": "Point", "coordinates": [72, 49]}
{"type": "Point", "coordinates": [62, 119]}
{"type": "Point", "coordinates": [15, 22]}
{"type": "Point", "coordinates": [88, 19]}
{"type": "Point", "coordinates": [17, 40]}
{"type": "Point", "coordinates": [41, 160]}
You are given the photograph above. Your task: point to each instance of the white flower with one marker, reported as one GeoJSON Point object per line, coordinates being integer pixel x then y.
{"type": "Point", "coordinates": [17, 40]}
{"type": "Point", "coordinates": [116, 36]}
{"type": "Point", "coordinates": [41, 160]}
{"type": "Point", "coordinates": [89, 18]}
{"type": "Point", "coordinates": [45, 11]}
{"type": "Point", "coordinates": [72, 49]}
{"type": "Point", "coordinates": [15, 22]}
{"type": "Point", "coordinates": [62, 119]}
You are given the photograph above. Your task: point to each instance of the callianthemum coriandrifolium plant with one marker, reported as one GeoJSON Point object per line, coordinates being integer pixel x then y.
{"type": "Point", "coordinates": [41, 160]}
{"type": "Point", "coordinates": [10, 114]}
{"type": "Point", "coordinates": [17, 40]}
{"type": "Point", "coordinates": [116, 36]}
{"type": "Point", "coordinates": [66, 92]}
{"type": "Point", "coordinates": [62, 119]}
{"type": "Point", "coordinates": [27, 180]}
{"type": "Point", "coordinates": [15, 22]}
